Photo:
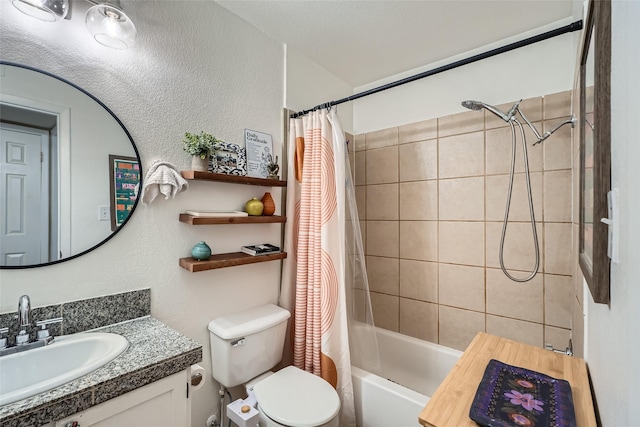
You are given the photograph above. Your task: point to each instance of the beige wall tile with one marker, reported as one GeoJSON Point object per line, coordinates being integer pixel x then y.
{"type": "Point", "coordinates": [350, 142]}
{"type": "Point", "coordinates": [497, 190]}
{"type": "Point", "coordinates": [383, 238]}
{"type": "Point", "coordinates": [557, 148]}
{"type": "Point", "coordinates": [558, 296]}
{"type": "Point", "coordinates": [419, 131]}
{"type": "Point", "coordinates": [519, 253]}
{"type": "Point", "coordinates": [360, 144]}
{"type": "Point", "coordinates": [384, 275]}
{"type": "Point", "coordinates": [499, 149]}
{"type": "Point", "coordinates": [461, 286]}
{"type": "Point", "coordinates": [360, 171]}
{"type": "Point", "coordinates": [458, 327]}
{"type": "Point", "coordinates": [532, 108]}
{"type": "Point", "coordinates": [359, 303]}
{"type": "Point", "coordinates": [557, 105]}
{"type": "Point", "coordinates": [363, 234]}
{"type": "Point", "coordinates": [557, 196]}
{"type": "Point", "coordinates": [557, 337]}
{"type": "Point", "coordinates": [578, 277]}
{"type": "Point", "coordinates": [352, 165]}
{"type": "Point", "coordinates": [382, 202]}
{"type": "Point", "coordinates": [461, 243]}
{"type": "Point", "coordinates": [419, 280]}
{"type": "Point", "coordinates": [507, 298]}
{"type": "Point", "coordinates": [418, 161]}
{"type": "Point", "coordinates": [577, 329]}
{"type": "Point", "coordinates": [558, 254]}
{"type": "Point", "coordinates": [517, 330]}
{"type": "Point", "coordinates": [419, 240]}
{"type": "Point", "coordinates": [382, 138]}
{"type": "Point", "coordinates": [386, 310]}
{"type": "Point", "coordinates": [419, 319]}
{"type": "Point", "coordinates": [456, 124]}
{"type": "Point", "coordinates": [461, 199]}
{"type": "Point", "coordinates": [419, 200]}
{"type": "Point", "coordinates": [382, 165]}
{"type": "Point", "coordinates": [576, 190]}
{"type": "Point", "coordinates": [461, 155]}
{"type": "Point", "coordinates": [361, 201]}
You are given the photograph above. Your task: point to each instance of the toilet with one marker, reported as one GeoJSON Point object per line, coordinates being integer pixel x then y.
{"type": "Point", "coordinates": [245, 346]}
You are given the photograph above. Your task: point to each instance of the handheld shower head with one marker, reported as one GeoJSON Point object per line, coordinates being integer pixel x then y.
{"type": "Point", "coordinates": [472, 105]}
{"type": "Point", "coordinates": [477, 105]}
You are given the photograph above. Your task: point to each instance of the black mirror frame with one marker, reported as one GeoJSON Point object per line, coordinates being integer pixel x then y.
{"type": "Point", "coordinates": [135, 149]}
{"type": "Point", "coordinates": [596, 271]}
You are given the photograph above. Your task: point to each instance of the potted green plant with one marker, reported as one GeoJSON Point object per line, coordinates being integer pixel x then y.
{"type": "Point", "coordinates": [200, 146]}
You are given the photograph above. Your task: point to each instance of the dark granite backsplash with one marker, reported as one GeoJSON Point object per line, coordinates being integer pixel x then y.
{"type": "Point", "coordinates": [83, 315]}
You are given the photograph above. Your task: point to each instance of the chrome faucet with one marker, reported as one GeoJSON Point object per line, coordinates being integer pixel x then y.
{"type": "Point", "coordinates": [24, 319]}
{"type": "Point", "coordinates": [24, 311]}
{"type": "Point", "coordinates": [23, 340]}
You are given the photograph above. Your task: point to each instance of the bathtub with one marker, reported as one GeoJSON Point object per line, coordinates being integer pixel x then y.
{"type": "Point", "coordinates": [411, 370]}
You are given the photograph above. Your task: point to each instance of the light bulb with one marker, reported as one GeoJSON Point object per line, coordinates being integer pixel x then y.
{"type": "Point", "coordinates": [44, 10]}
{"type": "Point", "coordinates": [110, 26]}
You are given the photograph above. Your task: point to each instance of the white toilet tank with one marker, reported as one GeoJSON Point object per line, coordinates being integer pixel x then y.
{"type": "Point", "coordinates": [246, 344]}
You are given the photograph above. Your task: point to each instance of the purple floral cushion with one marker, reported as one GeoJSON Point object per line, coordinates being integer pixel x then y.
{"type": "Point", "coordinates": [509, 396]}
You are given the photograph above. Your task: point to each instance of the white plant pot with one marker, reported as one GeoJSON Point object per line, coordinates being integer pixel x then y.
{"type": "Point", "coordinates": [199, 164]}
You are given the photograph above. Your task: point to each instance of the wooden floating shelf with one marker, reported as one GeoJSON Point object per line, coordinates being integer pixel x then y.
{"type": "Point", "coordinates": [201, 220]}
{"type": "Point", "coordinates": [220, 177]}
{"type": "Point", "coordinates": [227, 260]}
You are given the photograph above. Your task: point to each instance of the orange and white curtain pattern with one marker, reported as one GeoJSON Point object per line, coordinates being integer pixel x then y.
{"type": "Point", "coordinates": [313, 285]}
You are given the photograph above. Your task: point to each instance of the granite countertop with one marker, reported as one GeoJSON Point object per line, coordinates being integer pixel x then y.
{"type": "Point", "coordinates": [155, 351]}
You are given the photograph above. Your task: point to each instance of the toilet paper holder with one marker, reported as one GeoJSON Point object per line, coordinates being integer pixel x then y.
{"type": "Point", "coordinates": [196, 379]}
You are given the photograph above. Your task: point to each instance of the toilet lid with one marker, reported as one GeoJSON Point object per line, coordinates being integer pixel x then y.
{"type": "Point", "coordinates": [293, 397]}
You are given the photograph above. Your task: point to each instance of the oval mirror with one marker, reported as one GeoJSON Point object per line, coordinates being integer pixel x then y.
{"type": "Point", "coordinates": [69, 170]}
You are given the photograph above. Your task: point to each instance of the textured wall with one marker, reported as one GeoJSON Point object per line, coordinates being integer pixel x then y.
{"type": "Point", "coordinates": [195, 67]}
{"type": "Point", "coordinates": [612, 331]}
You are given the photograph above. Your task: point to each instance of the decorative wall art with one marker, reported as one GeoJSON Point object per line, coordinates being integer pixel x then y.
{"type": "Point", "coordinates": [259, 153]}
{"type": "Point", "coordinates": [124, 180]}
{"type": "Point", "coordinates": [229, 159]}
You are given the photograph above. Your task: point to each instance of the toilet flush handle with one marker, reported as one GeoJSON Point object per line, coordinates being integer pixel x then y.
{"type": "Point", "coordinates": [238, 342]}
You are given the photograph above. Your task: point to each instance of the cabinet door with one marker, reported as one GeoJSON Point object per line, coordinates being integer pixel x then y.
{"type": "Point", "coordinates": [162, 403]}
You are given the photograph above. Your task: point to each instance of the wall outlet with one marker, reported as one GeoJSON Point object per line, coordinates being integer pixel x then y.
{"type": "Point", "coordinates": [103, 213]}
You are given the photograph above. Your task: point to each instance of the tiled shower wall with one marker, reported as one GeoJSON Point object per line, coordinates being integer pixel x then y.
{"type": "Point", "coordinates": [431, 197]}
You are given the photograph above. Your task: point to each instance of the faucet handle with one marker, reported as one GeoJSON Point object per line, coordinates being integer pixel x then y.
{"type": "Point", "coordinates": [43, 333]}
{"type": "Point", "coordinates": [3, 340]}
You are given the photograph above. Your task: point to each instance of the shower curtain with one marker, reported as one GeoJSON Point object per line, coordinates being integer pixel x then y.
{"type": "Point", "coordinates": [313, 286]}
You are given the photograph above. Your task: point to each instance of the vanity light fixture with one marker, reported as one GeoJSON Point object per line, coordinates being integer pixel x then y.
{"type": "Point", "coordinates": [110, 26]}
{"type": "Point", "coordinates": [44, 10]}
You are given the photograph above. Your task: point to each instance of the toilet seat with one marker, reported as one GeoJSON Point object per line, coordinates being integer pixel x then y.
{"type": "Point", "coordinates": [293, 397]}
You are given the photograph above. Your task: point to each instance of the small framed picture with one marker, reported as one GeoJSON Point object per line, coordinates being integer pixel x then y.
{"type": "Point", "coordinates": [124, 180]}
{"type": "Point", "coordinates": [229, 159]}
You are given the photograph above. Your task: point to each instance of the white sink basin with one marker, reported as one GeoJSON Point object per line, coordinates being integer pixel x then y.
{"type": "Point", "coordinates": [34, 371]}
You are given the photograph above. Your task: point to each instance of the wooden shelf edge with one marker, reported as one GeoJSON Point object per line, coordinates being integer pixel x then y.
{"type": "Point", "coordinates": [235, 179]}
{"type": "Point", "coordinates": [227, 260]}
{"type": "Point", "coordinates": [200, 220]}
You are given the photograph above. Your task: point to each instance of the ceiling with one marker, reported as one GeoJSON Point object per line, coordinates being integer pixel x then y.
{"type": "Point", "coordinates": [364, 41]}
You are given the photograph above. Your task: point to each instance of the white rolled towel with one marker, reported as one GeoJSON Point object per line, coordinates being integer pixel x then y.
{"type": "Point", "coordinates": [162, 178]}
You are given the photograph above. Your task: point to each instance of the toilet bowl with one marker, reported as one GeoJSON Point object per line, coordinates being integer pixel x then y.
{"type": "Point", "coordinates": [292, 397]}
{"type": "Point", "coordinates": [245, 346]}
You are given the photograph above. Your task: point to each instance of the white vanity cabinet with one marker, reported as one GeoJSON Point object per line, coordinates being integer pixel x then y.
{"type": "Point", "coordinates": [161, 403]}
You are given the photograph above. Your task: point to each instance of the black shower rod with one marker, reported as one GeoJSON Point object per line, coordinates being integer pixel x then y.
{"type": "Point", "coordinates": [574, 26]}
